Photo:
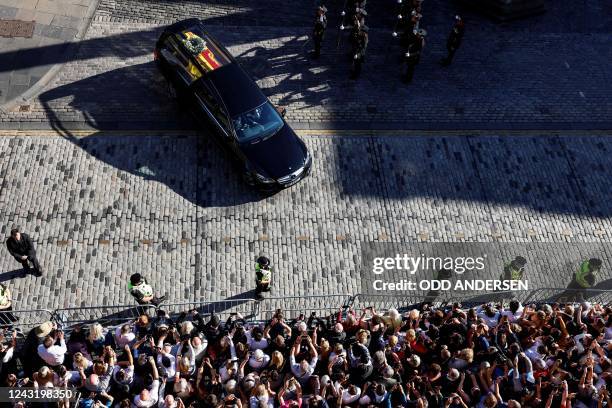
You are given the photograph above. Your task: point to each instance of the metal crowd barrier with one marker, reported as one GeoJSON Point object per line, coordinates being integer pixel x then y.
{"type": "Point", "coordinates": [105, 315]}
{"type": "Point", "coordinates": [557, 295]}
{"type": "Point", "coordinates": [223, 308]}
{"type": "Point", "coordinates": [292, 306]}
{"type": "Point", "coordinates": [25, 319]}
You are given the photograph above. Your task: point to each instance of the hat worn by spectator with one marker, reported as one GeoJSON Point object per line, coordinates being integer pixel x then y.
{"type": "Point", "coordinates": [43, 330]}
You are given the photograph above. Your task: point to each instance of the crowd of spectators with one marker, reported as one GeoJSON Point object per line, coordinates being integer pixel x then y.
{"type": "Point", "coordinates": [428, 356]}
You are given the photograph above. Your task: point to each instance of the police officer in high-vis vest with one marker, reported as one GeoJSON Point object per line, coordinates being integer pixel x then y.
{"type": "Point", "coordinates": [6, 305]}
{"type": "Point", "coordinates": [142, 291]}
{"type": "Point", "coordinates": [585, 276]}
{"type": "Point", "coordinates": [263, 276]}
{"type": "Point", "coordinates": [515, 270]}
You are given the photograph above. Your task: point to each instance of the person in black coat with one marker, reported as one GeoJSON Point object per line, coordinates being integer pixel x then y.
{"type": "Point", "coordinates": [454, 40]}
{"type": "Point", "coordinates": [319, 30]}
{"type": "Point", "coordinates": [413, 54]}
{"type": "Point", "coordinates": [359, 52]}
{"type": "Point", "coordinates": [22, 249]}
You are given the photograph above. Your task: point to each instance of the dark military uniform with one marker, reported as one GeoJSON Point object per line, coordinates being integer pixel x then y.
{"type": "Point", "coordinates": [413, 57]}
{"type": "Point", "coordinates": [454, 41]}
{"type": "Point", "coordinates": [319, 31]}
{"type": "Point", "coordinates": [360, 49]}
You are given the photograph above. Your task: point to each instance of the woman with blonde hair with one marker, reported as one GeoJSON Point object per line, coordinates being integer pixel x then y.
{"type": "Point", "coordinates": [277, 362]}
{"type": "Point", "coordinates": [262, 397]}
{"type": "Point", "coordinates": [462, 360]}
{"type": "Point", "coordinates": [362, 336]}
{"type": "Point", "coordinates": [95, 339]}
{"type": "Point", "coordinates": [79, 361]}
{"type": "Point", "coordinates": [44, 378]}
{"type": "Point", "coordinates": [324, 349]}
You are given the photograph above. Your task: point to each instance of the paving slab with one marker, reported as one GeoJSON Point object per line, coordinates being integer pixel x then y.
{"type": "Point", "coordinates": [59, 20]}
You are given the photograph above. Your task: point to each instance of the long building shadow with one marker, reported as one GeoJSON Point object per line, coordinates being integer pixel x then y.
{"type": "Point", "coordinates": [548, 174]}
{"type": "Point", "coordinates": [138, 43]}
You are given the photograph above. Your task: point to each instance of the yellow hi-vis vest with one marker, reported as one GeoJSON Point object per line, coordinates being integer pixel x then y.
{"type": "Point", "coordinates": [582, 273]}
{"type": "Point", "coordinates": [144, 289]}
{"type": "Point", "coordinates": [4, 300]}
{"type": "Point", "coordinates": [515, 274]}
{"type": "Point", "coordinates": [266, 274]}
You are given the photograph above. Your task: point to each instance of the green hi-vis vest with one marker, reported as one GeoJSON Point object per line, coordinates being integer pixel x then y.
{"type": "Point", "coordinates": [266, 274]}
{"type": "Point", "coordinates": [145, 289]}
{"type": "Point", "coordinates": [515, 274]}
{"type": "Point", "coordinates": [582, 273]}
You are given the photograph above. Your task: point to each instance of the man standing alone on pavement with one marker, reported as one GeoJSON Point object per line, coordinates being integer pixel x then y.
{"type": "Point", "coordinates": [21, 248]}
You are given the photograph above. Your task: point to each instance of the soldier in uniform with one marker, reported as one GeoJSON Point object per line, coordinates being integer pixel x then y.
{"type": "Point", "coordinates": [263, 276]}
{"type": "Point", "coordinates": [413, 54]}
{"type": "Point", "coordinates": [319, 30]}
{"type": "Point", "coordinates": [454, 40]}
{"type": "Point", "coordinates": [357, 22]}
{"type": "Point", "coordinates": [359, 53]}
{"type": "Point", "coordinates": [142, 291]}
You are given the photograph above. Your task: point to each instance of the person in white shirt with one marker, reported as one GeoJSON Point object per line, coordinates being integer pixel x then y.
{"type": "Point", "coordinates": [166, 359]}
{"type": "Point", "coordinates": [514, 311]}
{"type": "Point", "coordinates": [53, 354]}
{"type": "Point", "coordinates": [198, 347]}
{"type": "Point", "coordinates": [148, 398]}
{"type": "Point", "coordinates": [256, 339]}
{"type": "Point", "coordinates": [489, 315]}
{"type": "Point", "coordinates": [303, 371]}
{"type": "Point", "coordinates": [123, 372]}
{"type": "Point", "coordinates": [124, 335]}
{"type": "Point", "coordinates": [259, 360]}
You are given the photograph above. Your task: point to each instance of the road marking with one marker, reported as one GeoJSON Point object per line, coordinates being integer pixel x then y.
{"type": "Point", "coordinates": [567, 65]}
{"type": "Point", "coordinates": [581, 93]}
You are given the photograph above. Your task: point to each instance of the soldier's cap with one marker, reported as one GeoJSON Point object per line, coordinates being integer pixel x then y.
{"type": "Point", "coordinates": [520, 261]}
{"type": "Point", "coordinates": [363, 12]}
{"type": "Point", "coordinates": [365, 28]}
{"type": "Point", "coordinates": [422, 32]}
{"type": "Point", "coordinates": [323, 8]}
{"type": "Point", "coordinates": [595, 263]}
{"type": "Point", "coordinates": [458, 18]}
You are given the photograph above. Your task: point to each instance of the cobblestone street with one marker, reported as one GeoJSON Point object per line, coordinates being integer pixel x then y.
{"type": "Point", "coordinates": [104, 205]}
{"type": "Point", "coordinates": [510, 144]}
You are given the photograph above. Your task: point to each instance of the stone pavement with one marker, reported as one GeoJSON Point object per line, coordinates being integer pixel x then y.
{"type": "Point", "coordinates": [550, 72]}
{"type": "Point", "coordinates": [101, 206]}
{"type": "Point", "coordinates": [25, 61]}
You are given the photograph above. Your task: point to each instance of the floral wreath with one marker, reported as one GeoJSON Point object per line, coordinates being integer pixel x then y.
{"type": "Point", "coordinates": [194, 45]}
